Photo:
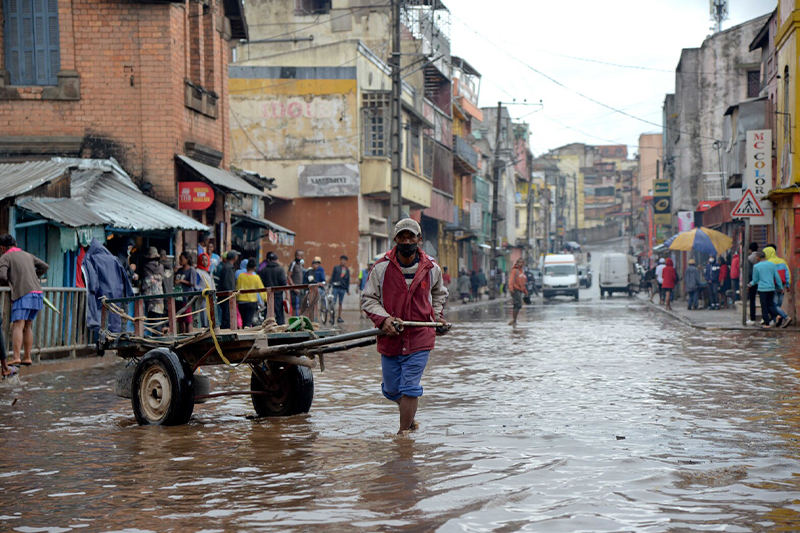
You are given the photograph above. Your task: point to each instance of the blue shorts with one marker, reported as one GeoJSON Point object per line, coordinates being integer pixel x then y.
{"type": "Point", "coordinates": [402, 374]}
{"type": "Point", "coordinates": [338, 294]}
{"type": "Point", "coordinates": [27, 307]}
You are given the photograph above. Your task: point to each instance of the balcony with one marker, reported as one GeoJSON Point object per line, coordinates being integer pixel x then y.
{"type": "Point", "coordinates": [376, 182]}
{"type": "Point", "coordinates": [465, 157]}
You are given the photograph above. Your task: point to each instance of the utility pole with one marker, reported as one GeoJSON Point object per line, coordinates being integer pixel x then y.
{"type": "Point", "coordinates": [529, 219]}
{"type": "Point", "coordinates": [495, 215]}
{"type": "Point", "coordinates": [630, 217]}
{"type": "Point", "coordinates": [575, 201]}
{"type": "Point", "coordinates": [396, 194]}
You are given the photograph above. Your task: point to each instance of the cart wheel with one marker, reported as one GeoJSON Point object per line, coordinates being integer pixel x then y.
{"type": "Point", "coordinates": [162, 392]}
{"type": "Point", "coordinates": [324, 314]}
{"type": "Point", "coordinates": [290, 388]}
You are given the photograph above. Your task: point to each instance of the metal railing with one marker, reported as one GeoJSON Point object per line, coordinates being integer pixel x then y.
{"type": "Point", "coordinates": [55, 334]}
{"type": "Point", "coordinates": [465, 152]}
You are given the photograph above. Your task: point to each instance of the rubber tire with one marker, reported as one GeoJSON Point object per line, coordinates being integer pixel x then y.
{"type": "Point", "coordinates": [181, 403]}
{"type": "Point", "coordinates": [297, 391]}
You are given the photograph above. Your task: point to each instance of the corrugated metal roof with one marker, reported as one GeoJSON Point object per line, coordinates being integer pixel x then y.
{"type": "Point", "coordinates": [64, 210]}
{"type": "Point", "coordinates": [18, 178]}
{"type": "Point", "coordinates": [262, 222]}
{"type": "Point", "coordinates": [116, 199]}
{"type": "Point", "coordinates": [219, 177]}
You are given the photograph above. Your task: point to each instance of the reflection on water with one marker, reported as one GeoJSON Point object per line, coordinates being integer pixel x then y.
{"type": "Point", "coordinates": [591, 416]}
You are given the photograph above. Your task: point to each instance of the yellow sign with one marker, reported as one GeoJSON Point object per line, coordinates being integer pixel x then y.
{"type": "Point", "coordinates": [661, 188]}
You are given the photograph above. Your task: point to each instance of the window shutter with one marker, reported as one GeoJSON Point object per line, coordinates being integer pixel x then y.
{"type": "Point", "coordinates": [40, 41]}
{"type": "Point", "coordinates": [26, 70]}
{"type": "Point", "coordinates": [12, 39]}
{"type": "Point", "coordinates": [53, 46]}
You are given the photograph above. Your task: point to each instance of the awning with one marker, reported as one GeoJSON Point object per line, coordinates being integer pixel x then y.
{"type": "Point", "coordinates": [242, 219]}
{"type": "Point", "coordinates": [221, 178]}
{"type": "Point", "coordinates": [705, 206]}
{"type": "Point", "coordinates": [65, 211]}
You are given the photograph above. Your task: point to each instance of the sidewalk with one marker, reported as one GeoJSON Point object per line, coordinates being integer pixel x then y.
{"type": "Point", "coordinates": [722, 319]}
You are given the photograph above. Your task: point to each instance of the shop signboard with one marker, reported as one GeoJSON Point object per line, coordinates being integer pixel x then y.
{"type": "Point", "coordinates": [195, 195]}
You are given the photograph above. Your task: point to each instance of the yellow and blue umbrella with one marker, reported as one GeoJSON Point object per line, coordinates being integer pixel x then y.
{"type": "Point", "coordinates": [703, 240]}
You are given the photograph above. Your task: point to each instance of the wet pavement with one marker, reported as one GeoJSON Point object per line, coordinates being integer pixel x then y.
{"type": "Point", "coordinates": [597, 415]}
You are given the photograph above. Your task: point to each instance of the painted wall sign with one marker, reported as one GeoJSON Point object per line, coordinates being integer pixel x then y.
{"type": "Point", "coordinates": [328, 180]}
{"type": "Point", "coordinates": [194, 195]}
{"type": "Point", "coordinates": [661, 210]}
{"type": "Point", "coordinates": [758, 172]}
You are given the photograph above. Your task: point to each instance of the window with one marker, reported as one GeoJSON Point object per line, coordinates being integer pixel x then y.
{"type": "Point", "coordinates": [413, 147]}
{"type": "Point", "coordinates": [427, 154]}
{"type": "Point", "coordinates": [31, 41]}
{"type": "Point", "coordinates": [375, 123]}
{"type": "Point", "coordinates": [312, 7]}
{"type": "Point", "coordinates": [753, 83]}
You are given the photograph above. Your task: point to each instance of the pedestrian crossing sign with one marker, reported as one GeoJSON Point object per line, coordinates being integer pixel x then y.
{"type": "Point", "coordinates": [748, 206]}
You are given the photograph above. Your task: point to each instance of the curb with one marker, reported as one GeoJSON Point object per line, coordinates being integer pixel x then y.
{"type": "Point", "coordinates": [695, 325]}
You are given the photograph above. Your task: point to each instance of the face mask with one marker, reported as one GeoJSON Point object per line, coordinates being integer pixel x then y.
{"type": "Point", "coordinates": [407, 250]}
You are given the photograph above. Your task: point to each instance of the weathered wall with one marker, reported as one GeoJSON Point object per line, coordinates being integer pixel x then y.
{"type": "Point", "coordinates": [651, 155]}
{"type": "Point", "coordinates": [708, 80]}
{"type": "Point", "coordinates": [327, 227]}
{"type": "Point", "coordinates": [132, 59]}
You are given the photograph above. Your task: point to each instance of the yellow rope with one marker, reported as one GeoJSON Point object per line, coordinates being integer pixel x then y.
{"type": "Point", "coordinates": [207, 294]}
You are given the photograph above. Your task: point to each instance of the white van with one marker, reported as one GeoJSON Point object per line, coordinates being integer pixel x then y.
{"type": "Point", "coordinates": [560, 276]}
{"type": "Point", "coordinates": [618, 274]}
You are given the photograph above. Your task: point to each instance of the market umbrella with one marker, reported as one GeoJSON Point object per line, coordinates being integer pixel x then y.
{"type": "Point", "coordinates": [701, 240]}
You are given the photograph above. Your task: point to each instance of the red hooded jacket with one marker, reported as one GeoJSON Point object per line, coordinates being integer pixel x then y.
{"type": "Point", "coordinates": [670, 275]}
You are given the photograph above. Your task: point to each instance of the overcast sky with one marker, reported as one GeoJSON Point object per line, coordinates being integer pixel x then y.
{"type": "Point", "coordinates": [539, 33]}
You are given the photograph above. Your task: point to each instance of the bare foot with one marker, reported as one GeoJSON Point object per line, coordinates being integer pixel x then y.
{"type": "Point", "coordinates": [15, 362]}
{"type": "Point", "coordinates": [512, 323]}
{"type": "Point", "coordinates": [414, 426]}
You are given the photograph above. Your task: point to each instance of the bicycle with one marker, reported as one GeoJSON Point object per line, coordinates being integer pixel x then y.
{"type": "Point", "coordinates": [327, 306]}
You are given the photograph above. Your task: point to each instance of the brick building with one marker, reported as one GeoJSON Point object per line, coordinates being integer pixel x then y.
{"type": "Point", "coordinates": [142, 82]}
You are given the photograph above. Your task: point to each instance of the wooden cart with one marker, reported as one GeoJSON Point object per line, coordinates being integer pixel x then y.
{"type": "Point", "coordinates": [163, 385]}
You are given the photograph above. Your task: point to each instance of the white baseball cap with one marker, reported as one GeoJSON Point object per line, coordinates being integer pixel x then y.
{"type": "Point", "coordinates": [407, 224]}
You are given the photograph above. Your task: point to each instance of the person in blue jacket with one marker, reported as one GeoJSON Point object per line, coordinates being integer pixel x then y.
{"type": "Point", "coordinates": [767, 279]}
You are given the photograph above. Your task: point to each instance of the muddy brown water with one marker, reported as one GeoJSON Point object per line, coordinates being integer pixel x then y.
{"type": "Point", "coordinates": [598, 415]}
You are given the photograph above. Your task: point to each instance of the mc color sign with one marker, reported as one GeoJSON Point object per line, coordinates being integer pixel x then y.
{"type": "Point", "coordinates": [758, 172]}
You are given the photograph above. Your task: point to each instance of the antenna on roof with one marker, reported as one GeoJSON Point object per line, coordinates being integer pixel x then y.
{"type": "Point", "coordinates": [719, 12]}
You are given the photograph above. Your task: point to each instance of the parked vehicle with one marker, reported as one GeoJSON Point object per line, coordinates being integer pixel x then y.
{"type": "Point", "coordinates": [618, 273]}
{"type": "Point", "coordinates": [585, 276]}
{"type": "Point", "coordinates": [560, 276]}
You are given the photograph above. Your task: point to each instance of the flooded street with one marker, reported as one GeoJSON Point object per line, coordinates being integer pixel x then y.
{"type": "Point", "coordinates": [597, 415]}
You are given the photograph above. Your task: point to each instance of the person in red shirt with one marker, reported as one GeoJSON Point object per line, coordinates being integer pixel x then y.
{"type": "Point", "coordinates": [724, 282]}
{"type": "Point", "coordinates": [736, 267]}
{"type": "Point", "coordinates": [670, 277]}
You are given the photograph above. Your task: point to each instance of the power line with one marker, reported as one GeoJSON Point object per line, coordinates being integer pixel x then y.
{"type": "Point", "coordinates": [556, 82]}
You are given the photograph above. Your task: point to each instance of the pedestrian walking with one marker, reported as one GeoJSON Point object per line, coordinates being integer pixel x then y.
{"type": "Point", "coordinates": [204, 281]}
{"type": "Point", "coordinates": [169, 271]}
{"type": "Point", "coordinates": [649, 279]}
{"type": "Point", "coordinates": [153, 283]}
{"type": "Point", "coordinates": [248, 302]}
{"type": "Point", "coordinates": [185, 281]}
{"type": "Point", "coordinates": [691, 283]}
{"type": "Point", "coordinates": [272, 275]}
{"type": "Point", "coordinates": [767, 281]}
{"type": "Point", "coordinates": [736, 273]}
{"type": "Point", "coordinates": [659, 271]}
{"type": "Point", "coordinates": [295, 274]}
{"type": "Point", "coordinates": [724, 282]}
{"type": "Point", "coordinates": [340, 282]}
{"type": "Point", "coordinates": [670, 280]}
{"type": "Point", "coordinates": [786, 278]}
{"type": "Point", "coordinates": [482, 283]}
{"type": "Point", "coordinates": [712, 278]}
{"type": "Point", "coordinates": [105, 277]}
{"type": "Point", "coordinates": [363, 276]}
{"type": "Point", "coordinates": [464, 286]}
{"type": "Point", "coordinates": [518, 288]}
{"type": "Point", "coordinates": [226, 286]}
{"type": "Point", "coordinates": [474, 284]}
{"type": "Point", "coordinates": [752, 291]}
{"type": "Point", "coordinates": [21, 271]}
{"type": "Point", "coordinates": [405, 285]}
